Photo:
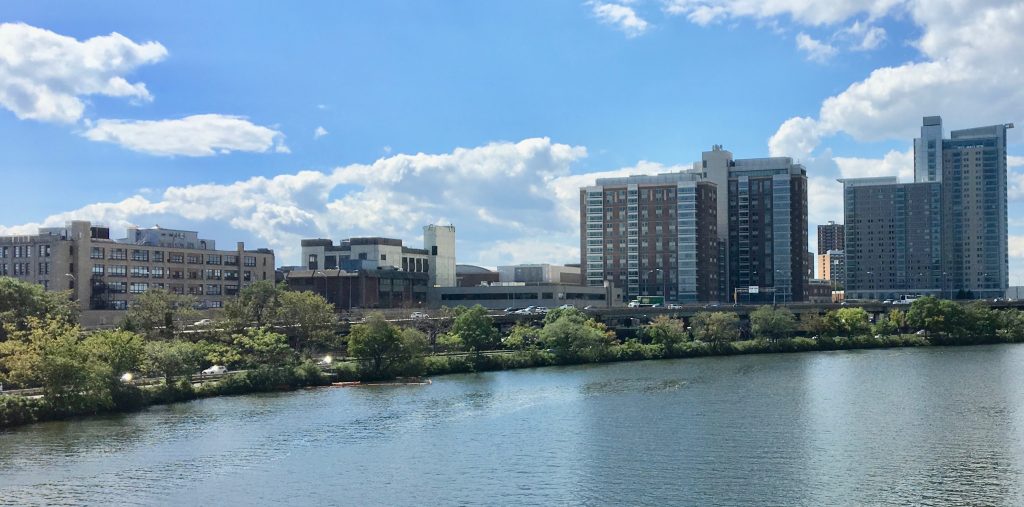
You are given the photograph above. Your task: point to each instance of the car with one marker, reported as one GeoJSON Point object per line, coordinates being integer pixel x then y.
{"type": "Point", "coordinates": [203, 322]}
{"type": "Point", "coordinates": [566, 307]}
{"type": "Point", "coordinates": [921, 332]}
{"type": "Point", "coordinates": [215, 370]}
{"type": "Point", "coordinates": [887, 302]}
{"type": "Point", "coordinates": [511, 309]}
{"type": "Point", "coordinates": [540, 310]}
{"type": "Point", "coordinates": [589, 307]}
{"type": "Point", "coordinates": [419, 315]}
{"type": "Point", "coordinates": [673, 306]}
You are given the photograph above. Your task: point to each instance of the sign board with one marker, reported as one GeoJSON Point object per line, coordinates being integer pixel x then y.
{"type": "Point", "coordinates": [753, 289]}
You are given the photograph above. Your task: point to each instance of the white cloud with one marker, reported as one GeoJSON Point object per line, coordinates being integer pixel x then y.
{"type": "Point", "coordinates": [968, 81]}
{"type": "Point", "coordinates": [862, 36]}
{"type": "Point", "coordinates": [521, 186]}
{"type": "Point", "coordinates": [200, 135]}
{"type": "Point", "coordinates": [45, 75]}
{"type": "Point", "coordinates": [894, 163]}
{"type": "Point", "coordinates": [1016, 244]}
{"type": "Point", "coordinates": [816, 50]}
{"type": "Point", "coordinates": [621, 16]}
{"type": "Point", "coordinates": [319, 132]}
{"type": "Point", "coordinates": [806, 12]}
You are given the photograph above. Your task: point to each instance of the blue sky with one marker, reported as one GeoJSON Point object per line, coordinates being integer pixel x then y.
{"type": "Point", "coordinates": [488, 115]}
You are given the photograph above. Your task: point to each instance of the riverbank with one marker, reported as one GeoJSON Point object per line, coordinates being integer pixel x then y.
{"type": "Point", "coordinates": [17, 410]}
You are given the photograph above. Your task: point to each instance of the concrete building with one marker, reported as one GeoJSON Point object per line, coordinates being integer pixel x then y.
{"type": "Point", "coordinates": [971, 166]}
{"type": "Point", "coordinates": [467, 275]}
{"type": "Point", "coordinates": [520, 295]}
{"type": "Point", "coordinates": [105, 274]}
{"type": "Point", "coordinates": [893, 238]}
{"type": "Point", "coordinates": [831, 236]}
{"type": "Point", "coordinates": [651, 235]}
{"type": "Point", "coordinates": [954, 216]}
{"type": "Point", "coordinates": [762, 223]}
{"type": "Point", "coordinates": [832, 267]}
{"type": "Point", "coordinates": [540, 273]}
{"type": "Point", "coordinates": [436, 259]}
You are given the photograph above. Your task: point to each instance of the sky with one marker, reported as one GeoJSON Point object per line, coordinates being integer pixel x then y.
{"type": "Point", "coordinates": [269, 122]}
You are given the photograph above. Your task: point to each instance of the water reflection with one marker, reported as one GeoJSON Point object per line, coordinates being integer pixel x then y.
{"type": "Point", "coordinates": [928, 426]}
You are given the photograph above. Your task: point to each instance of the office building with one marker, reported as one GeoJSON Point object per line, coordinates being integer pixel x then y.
{"type": "Point", "coordinates": [651, 235]}
{"type": "Point", "coordinates": [363, 284]}
{"type": "Point", "coordinates": [106, 274]}
{"type": "Point", "coordinates": [540, 273]}
{"type": "Point", "coordinates": [830, 237]}
{"type": "Point", "coordinates": [502, 295]}
{"type": "Point", "coordinates": [436, 259]}
{"type": "Point", "coordinates": [468, 275]}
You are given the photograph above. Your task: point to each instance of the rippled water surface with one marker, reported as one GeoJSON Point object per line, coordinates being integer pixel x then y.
{"type": "Point", "coordinates": [937, 426]}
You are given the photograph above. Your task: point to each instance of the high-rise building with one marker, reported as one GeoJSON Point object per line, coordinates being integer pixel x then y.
{"type": "Point", "coordinates": [830, 237]}
{"type": "Point", "coordinates": [947, 233]}
{"type": "Point", "coordinates": [705, 234]}
{"type": "Point", "coordinates": [971, 166]}
{"type": "Point", "coordinates": [651, 235]}
{"type": "Point", "coordinates": [106, 274]}
{"type": "Point", "coordinates": [832, 267]}
{"type": "Point", "coordinates": [893, 238]}
{"type": "Point", "coordinates": [764, 229]}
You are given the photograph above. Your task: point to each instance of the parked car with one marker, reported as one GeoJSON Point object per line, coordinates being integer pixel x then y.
{"type": "Point", "coordinates": [419, 315]}
{"type": "Point", "coordinates": [589, 307]}
{"type": "Point", "coordinates": [215, 370]}
{"type": "Point", "coordinates": [566, 307]}
{"type": "Point", "coordinates": [673, 306]}
{"type": "Point", "coordinates": [202, 322]}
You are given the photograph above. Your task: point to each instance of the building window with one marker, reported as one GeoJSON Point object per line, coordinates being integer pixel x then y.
{"type": "Point", "coordinates": [118, 271]}
{"type": "Point", "coordinates": [118, 254]}
{"type": "Point", "coordinates": [97, 270]}
{"type": "Point", "coordinates": [312, 263]}
{"type": "Point", "coordinates": [195, 259]}
{"type": "Point", "coordinates": [117, 287]}
{"type": "Point", "coordinates": [247, 276]}
{"type": "Point", "coordinates": [213, 259]}
{"type": "Point", "coordinates": [158, 256]}
{"type": "Point", "coordinates": [44, 268]}
{"type": "Point", "coordinates": [3, 269]}
{"type": "Point", "coordinates": [4, 252]}
{"type": "Point", "coordinates": [157, 273]}
{"type": "Point", "coordinates": [140, 255]}
{"type": "Point", "coordinates": [44, 250]}
{"type": "Point", "coordinates": [231, 260]}
{"type": "Point", "coordinates": [176, 257]}
{"type": "Point", "coordinates": [213, 290]}
{"type": "Point", "coordinates": [383, 257]}
{"type": "Point", "coordinates": [250, 260]}
{"type": "Point", "coordinates": [138, 287]}
{"type": "Point", "coordinates": [140, 271]}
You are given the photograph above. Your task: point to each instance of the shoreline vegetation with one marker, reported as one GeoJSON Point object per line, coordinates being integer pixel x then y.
{"type": "Point", "coordinates": [275, 336]}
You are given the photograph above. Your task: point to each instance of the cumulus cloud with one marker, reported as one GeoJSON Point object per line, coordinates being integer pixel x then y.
{"type": "Point", "coordinates": [522, 187]}
{"type": "Point", "coordinates": [969, 83]}
{"type": "Point", "coordinates": [45, 75]}
{"type": "Point", "coordinates": [620, 16]}
{"type": "Point", "coordinates": [894, 163]}
{"type": "Point", "coordinates": [319, 132]}
{"type": "Point", "coordinates": [817, 51]}
{"type": "Point", "coordinates": [200, 135]}
{"type": "Point", "coordinates": [862, 36]}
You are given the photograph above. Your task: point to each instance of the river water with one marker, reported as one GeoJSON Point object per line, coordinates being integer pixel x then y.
{"type": "Point", "coordinates": [934, 426]}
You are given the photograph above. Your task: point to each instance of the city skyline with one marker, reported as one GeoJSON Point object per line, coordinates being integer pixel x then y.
{"type": "Point", "coordinates": [190, 134]}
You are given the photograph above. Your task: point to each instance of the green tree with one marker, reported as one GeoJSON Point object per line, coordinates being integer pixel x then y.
{"type": "Point", "coordinates": [521, 337]}
{"type": "Point", "coordinates": [262, 347]}
{"type": "Point", "coordinates": [20, 301]}
{"type": "Point", "coordinates": [256, 305]}
{"type": "Point", "coordinates": [171, 359]}
{"type": "Point", "coordinates": [847, 322]}
{"type": "Point", "coordinates": [717, 328]}
{"type": "Point", "coordinates": [665, 331]}
{"type": "Point", "coordinates": [1011, 326]}
{"type": "Point", "coordinates": [575, 336]}
{"type": "Point", "coordinates": [121, 351]}
{"type": "Point", "coordinates": [812, 324]}
{"type": "Point", "coordinates": [475, 329]}
{"type": "Point", "coordinates": [308, 320]}
{"type": "Point", "coordinates": [158, 313]}
{"type": "Point", "coordinates": [772, 323]}
{"type": "Point", "coordinates": [383, 348]}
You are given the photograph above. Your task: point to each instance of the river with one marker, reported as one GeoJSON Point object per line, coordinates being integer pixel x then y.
{"type": "Point", "coordinates": [930, 426]}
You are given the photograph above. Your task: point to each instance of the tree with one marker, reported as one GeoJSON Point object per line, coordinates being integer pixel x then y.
{"type": "Point", "coordinates": [575, 336]}
{"type": "Point", "coordinates": [812, 324]}
{"type": "Point", "coordinates": [383, 348]}
{"type": "Point", "coordinates": [772, 323]}
{"type": "Point", "coordinates": [665, 331]}
{"type": "Point", "coordinates": [521, 337]}
{"type": "Point", "coordinates": [158, 313]}
{"type": "Point", "coordinates": [308, 320]}
{"type": "Point", "coordinates": [935, 316]}
{"type": "Point", "coordinates": [171, 359]}
{"type": "Point", "coordinates": [262, 347]}
{"type": "Point", "coordinates": [717, 328]}
{"type": "Point", "coordinates": [121, 351]}
{"type": "Point", "coordinates": [475, 329]}
{"type": "Point", "coordinates": [20, 301]}
{"type": "Point", "coordinates": [256, 305]}
{"type": "Point", "coordinates": [847, 322]}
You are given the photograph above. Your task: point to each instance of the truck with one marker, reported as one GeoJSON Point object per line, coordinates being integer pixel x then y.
{"type": "Point", "coordinates": [647, 302]}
